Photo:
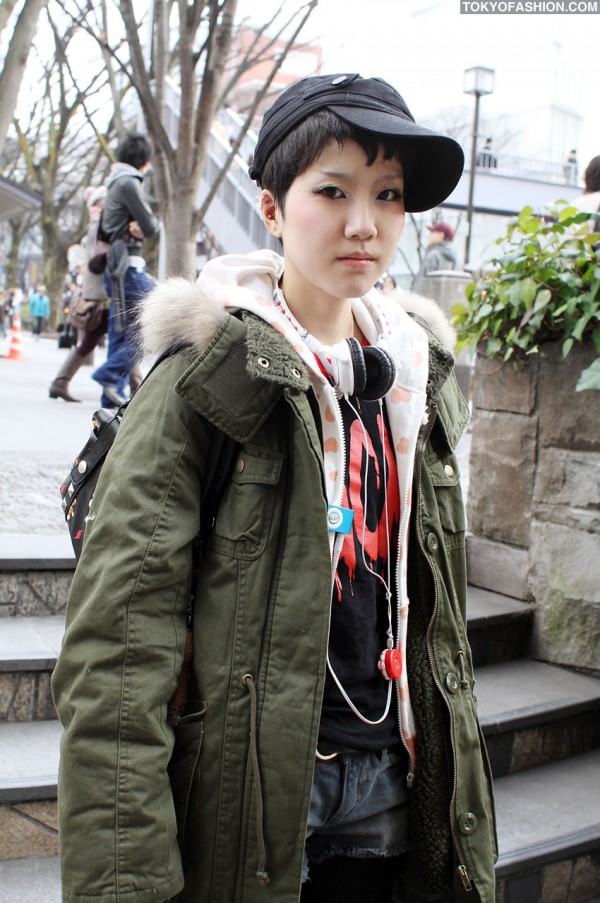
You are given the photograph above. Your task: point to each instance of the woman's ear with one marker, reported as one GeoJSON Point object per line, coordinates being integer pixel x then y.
{"type": "Point", "coordinates": [270, 212]}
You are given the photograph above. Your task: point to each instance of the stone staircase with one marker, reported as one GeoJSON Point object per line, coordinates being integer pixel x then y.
{"type": "Point", "coordinates": [541, 723]}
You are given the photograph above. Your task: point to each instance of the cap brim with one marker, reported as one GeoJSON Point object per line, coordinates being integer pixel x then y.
{"type": "Point", "coordinates": [438, 160]}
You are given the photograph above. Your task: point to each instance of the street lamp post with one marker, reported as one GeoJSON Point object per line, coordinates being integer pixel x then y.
{"type": "Point", "coordinates": [478, 80]}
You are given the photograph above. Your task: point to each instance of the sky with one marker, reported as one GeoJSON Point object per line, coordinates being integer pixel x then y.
{"type": "Point", "coordinates": [423, 47]}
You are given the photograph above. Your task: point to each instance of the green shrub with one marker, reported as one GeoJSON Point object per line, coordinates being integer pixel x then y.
{"type": "Point", "coordinates": [544, 286]}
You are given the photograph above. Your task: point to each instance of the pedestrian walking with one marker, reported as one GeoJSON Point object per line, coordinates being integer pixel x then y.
{"type": "Point", "coordinates": [127, 219]}
{"type": "Point", "coordinates": [326, 747]}
{"type": "Point", "coordinates": [39, 309]}
{"type": "Point", "coordinates": [87, 312]}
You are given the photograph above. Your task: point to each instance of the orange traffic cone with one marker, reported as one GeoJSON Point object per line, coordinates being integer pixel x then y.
{"type": "Point", "coordinates": [14, 352]}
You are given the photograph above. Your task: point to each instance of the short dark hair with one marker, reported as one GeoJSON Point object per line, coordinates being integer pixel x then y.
{"type": "Point", "coordinates": [592, 175]}
{"type": "Point", "coordinates": [302, 146]}
{"type": "Point", "coordinates": [135, 150]}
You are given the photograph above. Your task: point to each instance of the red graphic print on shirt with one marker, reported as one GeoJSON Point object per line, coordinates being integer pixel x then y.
{"type": "Point", "coordinates": [371, 491]}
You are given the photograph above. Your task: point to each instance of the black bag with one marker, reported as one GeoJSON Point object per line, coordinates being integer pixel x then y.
{"type": "Point", "coordinates": [77, 491]}
{"type": "Point", "coordinates": [67, 335]}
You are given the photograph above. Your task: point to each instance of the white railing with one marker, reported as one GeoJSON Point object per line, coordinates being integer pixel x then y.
{"type": "Point", "coordinates": [529, 168]}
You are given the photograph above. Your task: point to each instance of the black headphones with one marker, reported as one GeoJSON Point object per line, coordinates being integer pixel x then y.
{"type": "Point", "coordinates": [374, 371]}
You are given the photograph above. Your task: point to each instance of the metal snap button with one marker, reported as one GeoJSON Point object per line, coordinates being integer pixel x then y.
{"type": "Point", "coordinates": [452, 683]}
{"type": "Point", "coordinates": [432, 542]}
{"type": "Point", "coordinates": [263, 362]}
{"type": "Point", "coordinates": [240, 465]}
{"type": "Point", "coordinates": [449, 470]}
{"type": "Point", "coordinates": [82, 466]}
{"type": "Point", "coordinates": [467, 823]}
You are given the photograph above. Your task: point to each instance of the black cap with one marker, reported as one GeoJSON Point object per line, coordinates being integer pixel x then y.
{"type": "Point", "coordinates": [371, 104]}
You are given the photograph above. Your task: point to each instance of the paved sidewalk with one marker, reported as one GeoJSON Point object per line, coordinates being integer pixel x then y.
{"type": "Point", "coordinates": [39, 436]}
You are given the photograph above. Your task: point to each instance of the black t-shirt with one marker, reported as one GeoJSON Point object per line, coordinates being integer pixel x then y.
{"type": "Point", "coordinates": [359, 609]}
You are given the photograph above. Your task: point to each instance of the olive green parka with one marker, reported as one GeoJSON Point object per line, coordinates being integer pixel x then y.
{"type": "Point", "coordinates": [215, 809]}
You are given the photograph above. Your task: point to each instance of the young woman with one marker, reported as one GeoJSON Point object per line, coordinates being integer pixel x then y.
{"type": "Point", "coordinates": [329, 748]}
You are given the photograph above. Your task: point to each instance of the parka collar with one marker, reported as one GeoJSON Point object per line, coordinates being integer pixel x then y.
{"type": "Point", "coordinates": [241, 376]}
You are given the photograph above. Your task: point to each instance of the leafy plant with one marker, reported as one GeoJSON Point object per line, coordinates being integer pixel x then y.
{"type": "Point", "coordinates": [543, 287]}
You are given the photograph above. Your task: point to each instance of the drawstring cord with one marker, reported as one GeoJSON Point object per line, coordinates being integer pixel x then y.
{"type": "Point", "coordinates": [262, 876]}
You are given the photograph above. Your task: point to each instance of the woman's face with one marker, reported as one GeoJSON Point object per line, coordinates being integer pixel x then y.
{"type": "Point", "coordinates": [341, 226]}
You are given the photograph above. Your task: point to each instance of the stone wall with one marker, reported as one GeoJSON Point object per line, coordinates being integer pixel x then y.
{"type": "Point", "coordinates": [534, 497]}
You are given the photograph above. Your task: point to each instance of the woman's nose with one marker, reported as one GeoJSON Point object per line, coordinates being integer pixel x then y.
{"type": "Point", "coordinates": [361, 222]}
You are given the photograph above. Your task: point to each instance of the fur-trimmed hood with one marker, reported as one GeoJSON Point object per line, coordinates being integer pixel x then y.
{"type": "Point", "coordinates": [180, 311]}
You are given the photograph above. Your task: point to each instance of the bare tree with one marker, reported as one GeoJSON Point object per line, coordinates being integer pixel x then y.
{"type": "Point", "coordinates": [61, 154]}
{"type": "Point", "coordinates": [16, 56]}
{"type": "Point", "coordinates": [180, 52]}
{"type": "Point", "coordinates": [18, 227]}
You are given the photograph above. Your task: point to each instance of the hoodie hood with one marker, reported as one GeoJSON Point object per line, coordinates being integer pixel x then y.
{"type": "Point", "coordinates": [119, 170]}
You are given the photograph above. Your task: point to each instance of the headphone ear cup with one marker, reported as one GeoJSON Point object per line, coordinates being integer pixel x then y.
{"type": "Point", "coordinates": [358, 366]}
{"type": "Point", "coordinates": [380, 372]}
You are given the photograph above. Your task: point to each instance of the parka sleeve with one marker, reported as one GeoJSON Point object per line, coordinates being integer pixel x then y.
{"type": "Point", "coordinates": [123, 651]}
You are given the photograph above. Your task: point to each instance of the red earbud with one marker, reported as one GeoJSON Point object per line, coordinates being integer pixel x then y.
{"type": "Point", "coordinates": [390, 664]}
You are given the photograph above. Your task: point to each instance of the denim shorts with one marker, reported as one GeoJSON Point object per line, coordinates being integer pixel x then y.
{"type": "Point", "coordinates": [358, 807]}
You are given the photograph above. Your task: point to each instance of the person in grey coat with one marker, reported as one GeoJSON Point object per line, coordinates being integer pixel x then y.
{"type": "Point", "coordinates": [439, 254]}
{"type": "Point", "coordinates": [126, 221]}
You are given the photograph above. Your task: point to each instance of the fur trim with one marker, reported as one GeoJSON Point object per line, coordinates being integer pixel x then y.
{"type": "Point", "coordinates": [430, 311]}
{"type": "Point", "coordinates": [178, 310]}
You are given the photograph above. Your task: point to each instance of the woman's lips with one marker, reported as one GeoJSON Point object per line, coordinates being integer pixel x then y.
{"type": "Point", "coordinates": [358, 262]}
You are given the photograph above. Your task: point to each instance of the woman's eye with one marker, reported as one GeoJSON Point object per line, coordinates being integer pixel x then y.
{"type": "Point", "coordinates": [329, 191]}
{"type": "Point", "coordinates": [391, 194]}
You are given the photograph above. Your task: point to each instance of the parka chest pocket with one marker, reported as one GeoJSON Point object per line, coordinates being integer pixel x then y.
{"type": "Point", "coordinates": [245, 514]}
{"type": "Point", "coordinates": [441, 467]}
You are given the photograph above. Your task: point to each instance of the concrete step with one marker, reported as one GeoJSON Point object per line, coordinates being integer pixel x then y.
{"type": "Point", "coordinates": [533, 713]}
{"type": "Point", "coordinates": [29, 647]}
{"type": "Point", "coordinates": [499, 626]}
{"type": "Point", "coordinates": [30, 643]}
{"type": "Point", "coordinates": [549, 832]}
{"type": "Point", "coordinates": [35, 880]}
{"type": "Point", "coordinates": [29, 754]}
{"type": "Point", "coordinates": [35, 573]}
{"type": "Point", "coordinates": [36, 552]}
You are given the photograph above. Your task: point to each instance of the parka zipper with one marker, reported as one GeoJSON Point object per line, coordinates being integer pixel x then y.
{"type": "Point", "coordinates": [339, 538]}
{"type": "Point", "coordinates": [462, 868]}
{"type": "Point", "coordinates": [405, 505]}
